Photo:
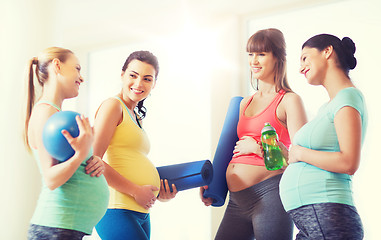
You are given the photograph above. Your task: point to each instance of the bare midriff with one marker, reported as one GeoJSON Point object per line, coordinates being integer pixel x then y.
{"type": "Point", "coordinates": [241, 176]}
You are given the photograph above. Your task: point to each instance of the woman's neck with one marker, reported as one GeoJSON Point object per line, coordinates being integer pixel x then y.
{"type": "Point", "coordinates": [53, 96]}
{"type": "Point", "coordinates": [128, 102]}
{"type": "Point", "coordinates": [335, 81]}
{"type": "Point", "coordinates": [265, 88]}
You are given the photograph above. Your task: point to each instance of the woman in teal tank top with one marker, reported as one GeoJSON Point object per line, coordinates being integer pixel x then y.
{"type": "Point", "coordinates": [316, 187]}
{"type": "Point", "coordinates": [74, 193]}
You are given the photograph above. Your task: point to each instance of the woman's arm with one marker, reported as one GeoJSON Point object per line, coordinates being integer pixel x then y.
{"type": "Point", "coordinates": [348, 129]}
{"type": "Point", "coordinates": [295, 118]}
{"type": "Point", "coordinates": [295, 114]}
{"type": "Point", "coordinates": [57, 173]}
{"type": "Point", "coordinates": [108, 117]}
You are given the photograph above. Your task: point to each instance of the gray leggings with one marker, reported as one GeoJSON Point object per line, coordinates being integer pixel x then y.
{"type": "Point", "coordinates": [37, 232]}
{"type": "Point", "coordinates": [327, 221]}
{"type": "Point", "coordinates": [256, 213]}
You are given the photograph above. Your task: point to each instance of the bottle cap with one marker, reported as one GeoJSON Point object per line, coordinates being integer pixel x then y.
{"type": "Point", "coordinates": [267, 127]}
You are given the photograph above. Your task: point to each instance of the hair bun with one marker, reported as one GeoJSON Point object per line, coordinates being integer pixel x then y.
{"type": "Point", "coordinates": [349, 49]}
{"type": "Point", "coordinates": [349, 45]}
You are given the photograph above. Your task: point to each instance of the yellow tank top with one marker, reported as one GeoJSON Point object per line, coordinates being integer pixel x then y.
{"type": "Point", "coordinates": [127, 154]}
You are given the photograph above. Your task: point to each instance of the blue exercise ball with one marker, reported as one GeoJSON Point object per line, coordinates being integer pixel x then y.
{"type": "Point", "coordinates": [54, 141]}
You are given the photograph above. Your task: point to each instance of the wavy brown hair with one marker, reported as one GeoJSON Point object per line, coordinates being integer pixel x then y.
{"type": "Point", "coordinates": [272, 40]}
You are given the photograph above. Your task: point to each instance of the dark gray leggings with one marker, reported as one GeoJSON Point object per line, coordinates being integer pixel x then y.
{"type": "Point", "coordinates": [37, 232]}
{"type": "Point", "coordinates": [256, 213]}
{"type": "Point", "coordinates": [327, 221]}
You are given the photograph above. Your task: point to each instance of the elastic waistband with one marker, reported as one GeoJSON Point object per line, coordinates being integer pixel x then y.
{"type": "Point", "coordinates": [118, 211]}
{"type": "Point", "coordinates": [259, 188]}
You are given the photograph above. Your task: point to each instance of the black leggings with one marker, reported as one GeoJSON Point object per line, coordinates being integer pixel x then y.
{"type": "Point", "coordinates": [327, 221]}
{"type": "Point", "coordinates": [256, 213]}
{"type": "Point", "coordinates": [37, 232]}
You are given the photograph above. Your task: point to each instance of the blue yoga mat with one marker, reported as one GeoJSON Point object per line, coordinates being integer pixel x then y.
{"type": "Point", "coordinates": [218, 188]}
{"type": "Point", "coordinates": [187, 175]}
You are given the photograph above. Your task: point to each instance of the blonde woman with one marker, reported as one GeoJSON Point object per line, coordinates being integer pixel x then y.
{"type": "Point", "coordinates": [74, 193]}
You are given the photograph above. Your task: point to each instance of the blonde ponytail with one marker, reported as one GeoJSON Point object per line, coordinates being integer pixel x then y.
{"type": "Point", "coordinates": [41, 63]}
{"type": "Point", "coordinates": [30, 97]}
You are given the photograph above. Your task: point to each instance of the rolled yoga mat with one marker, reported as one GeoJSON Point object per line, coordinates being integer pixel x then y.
{"type": "Point", "coordinates": [218, 188]}
{"type": "Point", "coordinates": [187, 175]}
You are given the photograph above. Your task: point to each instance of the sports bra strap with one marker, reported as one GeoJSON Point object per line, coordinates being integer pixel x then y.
{"type": "Point", "coordinates": [247, 104]}
{"type": "Point", "coordinates": [279, 97]}
{"type": "Point", "coordinates": [49, 103]}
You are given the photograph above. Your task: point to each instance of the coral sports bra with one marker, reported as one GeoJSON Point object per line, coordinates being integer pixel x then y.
{"type": "Point", "coordinates": [252, 127]}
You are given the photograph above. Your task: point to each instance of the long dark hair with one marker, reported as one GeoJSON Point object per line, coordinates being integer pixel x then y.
{"type": "Point", "coordinates": [344, 49]}
{"type": "Point", "coordinates": [272, 40]}
{"type": "Point", "coordinates": [149, 58]}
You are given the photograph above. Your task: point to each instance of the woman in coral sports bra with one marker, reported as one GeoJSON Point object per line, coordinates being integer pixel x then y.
{"type": "Point", "coordinates": [254, 210]}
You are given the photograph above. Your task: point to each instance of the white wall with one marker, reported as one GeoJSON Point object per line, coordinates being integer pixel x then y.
{"type": "Point", "coordinates": [23, 33]}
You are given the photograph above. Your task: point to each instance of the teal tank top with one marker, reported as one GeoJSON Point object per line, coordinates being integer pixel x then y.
{"type": "Point", "coordinates": [78, 204]}
{"type": "Point", "coordinates": [303, 184]}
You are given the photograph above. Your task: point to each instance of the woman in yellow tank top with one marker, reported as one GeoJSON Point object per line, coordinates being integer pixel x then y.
{"type": "Point", "coordinates": [123, 144]}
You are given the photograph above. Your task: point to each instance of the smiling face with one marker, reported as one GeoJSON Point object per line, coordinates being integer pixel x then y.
{"type": "Point", "coordinates": [70, 76]}
{"type": "Point", "coordinates": [262, 65]}
{"type": "Point", "coordinates": [313, 64]}
{"type": "Point", "coordinates": [138, 81]}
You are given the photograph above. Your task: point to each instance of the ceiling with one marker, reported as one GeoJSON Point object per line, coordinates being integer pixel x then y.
{"type": "Point", "coordinates": [88, 21]}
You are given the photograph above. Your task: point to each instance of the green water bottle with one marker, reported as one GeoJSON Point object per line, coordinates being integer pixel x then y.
{"type": "Point", "coordinates": [273, 156]}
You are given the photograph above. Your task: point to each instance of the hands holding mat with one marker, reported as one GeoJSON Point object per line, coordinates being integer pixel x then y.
{"type": "Point", "coordinates": [207, 201]}
{"type": "Point", "coordinates": [165, 193]}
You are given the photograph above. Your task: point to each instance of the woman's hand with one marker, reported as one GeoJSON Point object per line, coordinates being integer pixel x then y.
{"type": "Point", "coordinates": [144, 196]}
{"type": "Point", "coordinates": [83, 142]}
{"type": "Point", "coordinates": [206, 201]}
{"type": "Point", "coordinates": [294, 153]}
{"type": "Point", "coordinates": [95, 166]}
{"type": "Point", "coordinates": [165, 192]}
{"type": "Point", "coordinates": [247, 145]}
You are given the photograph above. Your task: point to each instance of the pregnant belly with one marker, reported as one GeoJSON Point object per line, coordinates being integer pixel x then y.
{"type": "Point", "coordinates": [93, 192]}
{"type": "Point", "coordinates": [241, 176]}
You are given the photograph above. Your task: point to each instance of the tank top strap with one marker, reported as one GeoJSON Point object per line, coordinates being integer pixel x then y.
{"type": "Point", "coordinates": [50, 104]}
{"type": "Point", "coordinates": [136, 121]}
{"type": "Point", "coordinates": [279, 97]}
{"type": "Point", "coordinates": [247, 104]}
